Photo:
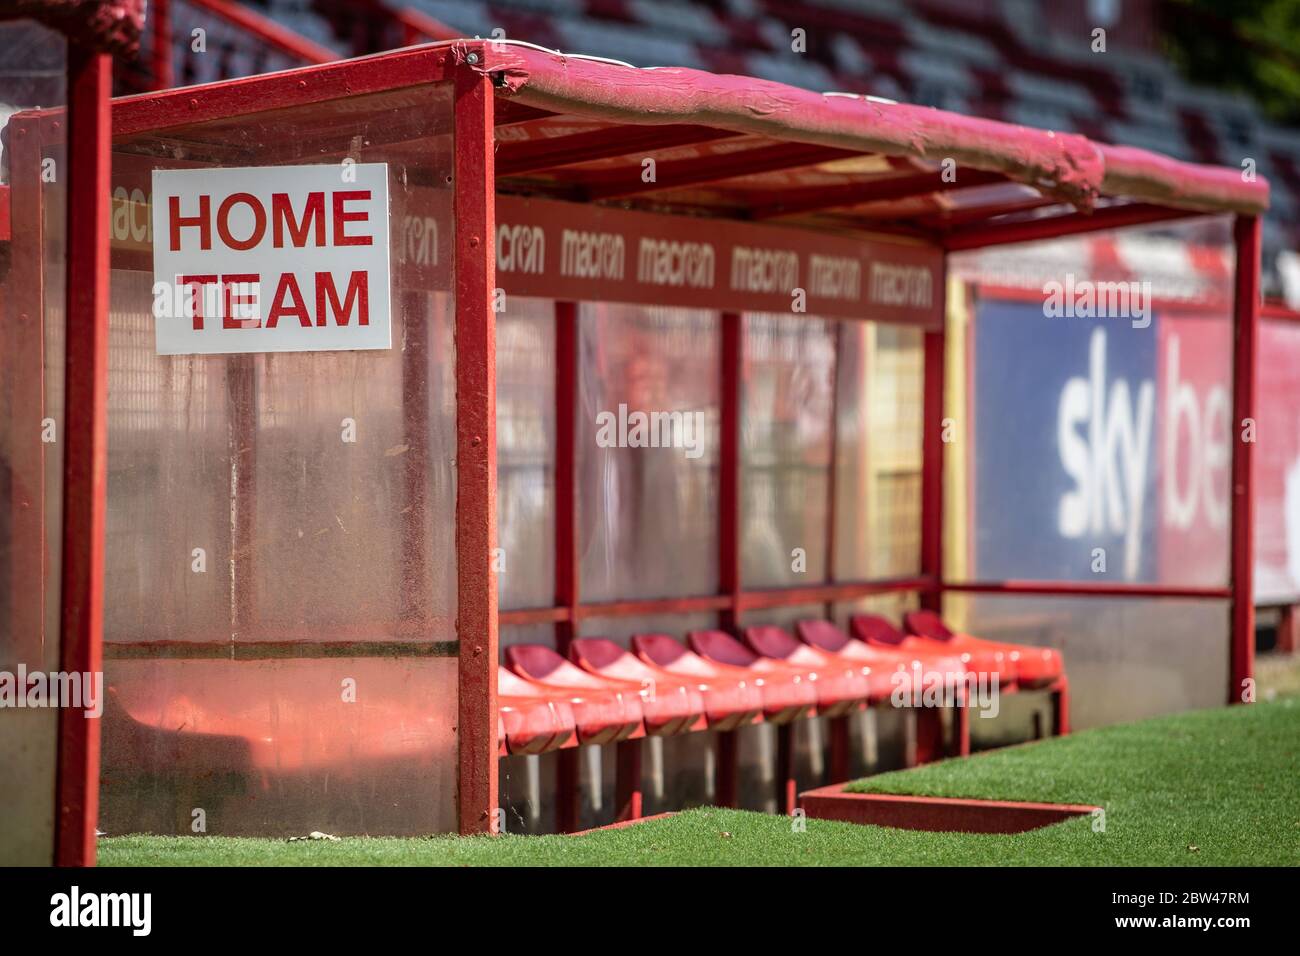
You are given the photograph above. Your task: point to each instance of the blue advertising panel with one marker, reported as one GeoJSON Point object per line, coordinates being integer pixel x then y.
{"type": "Point", "coordinates": [1065, 445]}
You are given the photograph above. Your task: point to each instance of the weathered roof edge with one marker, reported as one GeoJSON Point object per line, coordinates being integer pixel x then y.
{"type": "Point", "coordinates": [1068, 165]}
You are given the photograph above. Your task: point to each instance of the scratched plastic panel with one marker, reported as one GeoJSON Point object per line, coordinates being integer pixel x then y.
{"type": "Point", "coordinates": [167, 571]}
{"type": "Point", "coordinates": [879, 381]}
{"type": "Point", "coordinates": [786, 449]}
{"type": "Point", "coordinates": [526, 453]}
{"type": "Point", "coordinates": [1127, 658]}
{"type": "Point", "coordinates": [277, 747]}
{"type": "Point", "coordinates": [647, 451]}
{"type": "Point", "coordinates": [1090, 403]}
{"type": "Point", "coordinates": [352, 536]}
{"type": "Point", "coordinates": [32, 429]}
{"type": "Point", "coordinates": [298, 671]}
{"type": "Point", "coordinates": [290, 496]}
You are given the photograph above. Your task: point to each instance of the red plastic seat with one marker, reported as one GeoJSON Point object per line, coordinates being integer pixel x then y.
{"type": "Point", "coordinates": [1036, 667]}
{"type": "Point", "coordinates": [842, 684]}
{"type": "Point", "coordinates": [731, 698]}
{"type": "Point", "coordinates": [788, 692]}
{"type": "Point", "coordinates": [532, 719]}
{"type": "Point", "coordinates": [879, 631]}
{"type": "Point", "coordinates": [603, 711]}
{"type": "Point", "coordinates": [668, 705]}
{"type": "Point", "coordinates": [888, 662]}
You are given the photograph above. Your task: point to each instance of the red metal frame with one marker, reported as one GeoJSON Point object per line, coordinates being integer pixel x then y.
{"type": "Point", "coordinates": [1278, 312]}
{"type": "Point", "coordinates": [335, 80]}
{"type": "Point", "coordinates": [732, 356]}
{"type": "Point", "coordinates": [1247, 234]}
{"type": "Point", "coordinates": [1087, 589]}
{"type": "Point", "coordinates": [1053, 227]}
{"type": "Point", "coordinates": [816, 199]}
{"type": "Point", "coordinates": [523, 158]}
{"type": "Point", "coordinates": [85, 430]}
{"type": "Point", "coordinates": [567, 573]}
{"type": "Point", "coordinates": [932, 469]}
{"type": "Point", "coordinates": [476, 452]}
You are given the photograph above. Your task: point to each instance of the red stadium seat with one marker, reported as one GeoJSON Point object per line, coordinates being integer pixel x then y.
{"type": "Point", "coordinates": [731, 699]}
{"type": "Point", "coordinates": [788, 692]}
{"type": "Point", "coordinates": [669, 705]}
{"type": "Point", "coordinates": [842, 684]}
{"type": "Point", "coordinates": [603, 711]}
{"type": "Point", "coordinates": [826, 637]}
{"type": "Point", "coordinates": [532, 719]}
{"type": "Point", "coordinates": [1036, 667]}
{"type": "Point", "coordinates": [879, 631]}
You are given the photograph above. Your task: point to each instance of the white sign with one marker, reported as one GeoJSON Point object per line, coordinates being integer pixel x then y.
{"type": "Point", "coordinates": [271, 259]}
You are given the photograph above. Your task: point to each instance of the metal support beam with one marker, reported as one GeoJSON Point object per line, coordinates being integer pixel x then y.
{"type": "Point", "coordinates": [476, 453]}
{"type": "Point", "coordinates": [85, 455]}
{"type": "Point", "coordinates": [880, 190]}
{"type": "Point", "coordinates": [932, 468]}
{"type": "Point", "coordinates": [534, 157]}
{"type": "Point", "coordinates": [1245, 349]}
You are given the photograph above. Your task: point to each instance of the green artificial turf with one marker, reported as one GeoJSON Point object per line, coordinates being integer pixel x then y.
{"type": "Point", "coordinates": [1216, 787]}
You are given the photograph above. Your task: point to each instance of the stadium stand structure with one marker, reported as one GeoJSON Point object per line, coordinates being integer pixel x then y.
{"type": "Point", "coordinates": [1019, 62]}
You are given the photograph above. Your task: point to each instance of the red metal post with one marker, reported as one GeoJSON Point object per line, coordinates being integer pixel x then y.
{"type": "Point", "coordinates": [732, 359]}
{"type": "Point", "coordinates": [728, 769]}
{"type": "Point", "coordinates": [1061, 706]}
{"type": "Point", "coordinates": [837, 727]}
{"type": "Point", "coordinates": [786, 788]}
{"type": "Point", "coordinates": [838, 765]}
{"type": "Point", "coordinates": [929, 734]}
{"type": "Point", "coordinates": [161, 40]}
{"type": "Point", "coordinates": [932, 471]}
{"type": "Point", "coordinates": [568, 809]}
{"type": "Point", "coordinates": [961, 714]}
{"type": "Point", "coordinates": [929, 721]}
{"type": "Point", "coordinates": [476, 452]}
{"type": "Point", "coordinates": [627, 777]}
{"type": "Point", "coordinates": [1288, 626]}
{"type": "Point", "coordinates": [833, 485]}
{"type": "Point", "coordinates": [85, 430]}
{"type": "Point", "coordinates": [566, 471]}
{"type": "Point", "coordinates": [1245, 346]}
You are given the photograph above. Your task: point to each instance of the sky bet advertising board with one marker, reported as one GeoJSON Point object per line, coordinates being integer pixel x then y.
{"type": "Point", "coordinates": [1102, 444]}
